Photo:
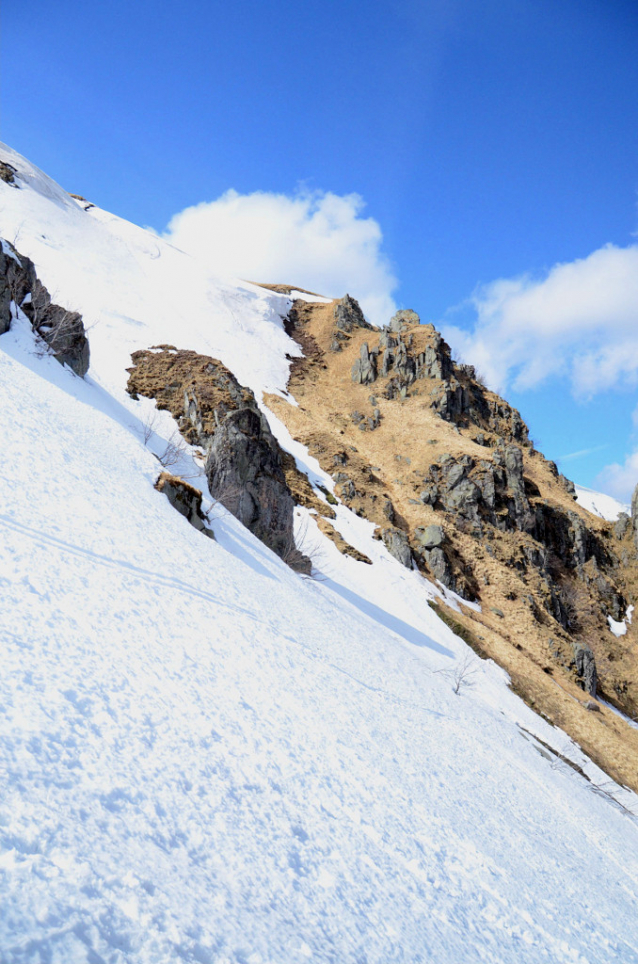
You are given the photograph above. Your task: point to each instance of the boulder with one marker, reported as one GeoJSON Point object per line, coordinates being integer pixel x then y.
{"type": "Point", "coordinates": [8, 173]}
{"type": "Point", "coordinates": [396, 542]}
{"type": "Point", "coordinates": [438, 565]}
{"type": "Point", "coordinates": [186, 499]}
{"type": "Point", "coordinates": [429, 537]}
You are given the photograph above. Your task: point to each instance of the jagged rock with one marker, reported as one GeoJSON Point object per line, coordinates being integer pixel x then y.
{"type": "Point", "coordinates": [567, 484]}
{"type": "Point", "coordinates": [519, 508]}
{"type": "Point", "coordinates": [436, 560]}
{"type": "Point", "coordinates": [5, 295]}
{"type": "Point", "coordinates": [429, 495]}
{"type": "Point", "coordinates": [430, 537]}
{"type": "Point", "coordinates": [403, 319]}
{"type": "Point", "coordinates": [244, 464]}
{"type": "Point", "coordinates": [62, 330]}
{"type": "Point", "coordinates": [436, 361]}
{"type": "Point", "coordinates": [388, 511]}
{"type": "Point", "coordinates": [586, 671]}
{"type": "Point", "coordinates": [621, 526]}
{"type": "Point", "coordinates": [348, 315]}
{"type": "Point", "coordinates": [245, 473]}
{"type": "Point", "coordinates": [634, 515]}
{"type": "Point", "coordinates": [396, 542]}
{"type": "Point", "coordinates": [197, 390]}
{"type": "Point", "coordinates": [364, 370]}
{"type": "Point", "coordinates": [387, 340]}
{"type": "Point", "coordinates": [186, 499]}
{"type": "Point", "coordinates": [463, 500]}
{"type": "Point", "coordinates": [7, 173]}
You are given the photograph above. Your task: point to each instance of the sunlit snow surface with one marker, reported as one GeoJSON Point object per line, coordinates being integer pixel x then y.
{"type": "Point", "coordinates": [600, 504]}
{"type": "Point", "coordinates": [207, 758]}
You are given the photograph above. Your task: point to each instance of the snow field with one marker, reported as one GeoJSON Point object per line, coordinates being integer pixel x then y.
{"type": "Point", "coordinates": [207, 758]}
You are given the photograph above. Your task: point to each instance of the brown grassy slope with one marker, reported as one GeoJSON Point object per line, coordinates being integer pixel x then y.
{"type": "Point", "coordinates": [386, 466]}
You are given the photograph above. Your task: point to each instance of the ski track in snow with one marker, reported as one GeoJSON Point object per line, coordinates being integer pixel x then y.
{"type": "Point", "coordinates": [206, 758]}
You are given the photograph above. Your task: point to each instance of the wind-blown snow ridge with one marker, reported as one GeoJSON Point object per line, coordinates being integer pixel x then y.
{"type": "Point", "coordinates": [206, 758]}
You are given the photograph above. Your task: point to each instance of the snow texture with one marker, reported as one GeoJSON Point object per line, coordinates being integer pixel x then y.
{"type": "Point", "coordinates": [604, 506]}
{"type": "Point", "coordinates": [206, 758]}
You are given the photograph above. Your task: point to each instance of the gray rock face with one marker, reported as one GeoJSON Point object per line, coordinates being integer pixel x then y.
{"type": "Point", "coordinates": [436, 561]}
{"type": "Point", "coordinates": [403, 319]}
{"type": "Point", "coordinates": [348, 315]}
{"type": "Point", "coordinates": [245, 473]}
{"type": "Point", "coordinates": [62, 330]}
{"type": "Point", "coordinates": [364, 370]}
{"type": "Point", "coordinates": [430, 537]}
{"type": "Point", "coordinates": [634, 515]}
{"type": "Point", "coordinates": [396, 542]}
{"type": "Point", "coordinates": [585, 664]}
{"type": "Point", "coordinates": [5, 295]}
{"type": "Point", "coordinates": [621, 525]}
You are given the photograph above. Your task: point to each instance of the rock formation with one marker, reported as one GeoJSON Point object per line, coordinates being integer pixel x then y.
{"type": "Point", "coordinates": [444, 468]}
{"type": "Point", "coordinates": [186, 499]}
{"type": "Point", "coordinates": [244, 462]}
{"type": "Point", "coordinates": [61, 330]}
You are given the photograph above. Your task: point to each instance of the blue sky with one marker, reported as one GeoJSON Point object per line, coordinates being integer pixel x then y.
{"type": "Point", "coordinates": [489, 140]}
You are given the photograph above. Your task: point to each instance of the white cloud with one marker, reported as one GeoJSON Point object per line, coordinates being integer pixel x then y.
{"type": "Point", "coordinates": [316, 240]}
{"type": "Point", "coordinates": [619, 480]}
{"type": "Point", "coordinates": [580, 321]}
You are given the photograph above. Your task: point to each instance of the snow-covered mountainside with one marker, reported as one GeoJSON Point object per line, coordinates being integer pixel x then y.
{"type": "Point", "coordinates": [206, 757]}
{"type": "Point", "coordinates": [600, 504]}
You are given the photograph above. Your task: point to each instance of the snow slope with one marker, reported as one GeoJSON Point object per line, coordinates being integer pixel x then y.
{"type": "Point", "coordinates": [207, 758]}
{"type": "Point", "coordinates": [604, 506]}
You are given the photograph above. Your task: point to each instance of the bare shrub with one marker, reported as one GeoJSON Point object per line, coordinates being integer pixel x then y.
{"type": "Point", "coordinates": [300, 552]}
{"type": "Point", "coordinates": [462, 674]}
{"type": "Point", "coordinates": [149, 425]}
{"type": "Point", "coordinates": [175, 451]}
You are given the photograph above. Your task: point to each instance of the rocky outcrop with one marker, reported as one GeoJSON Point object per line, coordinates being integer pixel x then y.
{"type": "Point", "coordinates": [634, 516]}
{"type": "Point", "coordinates": [5, 293]}
{"type": "Point", "coordinates": [430, 537]}
{"type": "Point", "coordinates": [364, 370]}
{"type": "Point", "coordinates": [403, 319]}
{"type": "Point", "coordinates": [8, 173]}
{"type": "Point", "coordinates": [244, 462]}
{"type": "Point", "coordinates": [396, 542]}
{"type": "Point", "coordinates": [186, 499]}
{"type": "Point", "coordinates": [622, 526]}
{"type": "Point", "coordinates": [61, 330]}
{"type": "Point", "coordinates": [348, 315]}
{"type": "Point", "coordinates": [347, 318]}
{"type": "Point", "coordinates": [585, 665]}
{"type": "Point", "coordinates": [245, 473]}
{"type": "Point", "coordinates": [197, 390]}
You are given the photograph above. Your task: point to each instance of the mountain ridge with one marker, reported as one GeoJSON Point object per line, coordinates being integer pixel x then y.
{"type": "Point", "coordinates": [208, 757]}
